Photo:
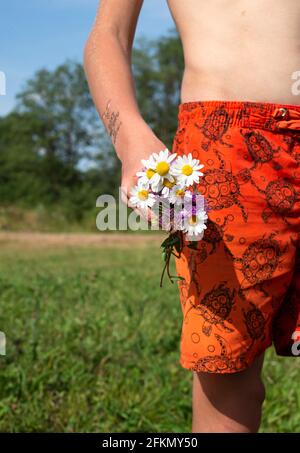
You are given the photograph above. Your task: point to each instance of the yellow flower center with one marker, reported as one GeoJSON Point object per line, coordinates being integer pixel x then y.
{"type": "Point", "coordinates": [193, 220]}
{"type": "Point", "coordinates": [150, 173]}
{"type": "Point", "coordinates": [143, 194]}
{"type": "Point", "coordinates": [187, 170]}
{"type": "Point", "coordinates": [180, 193]}
{"type": "Point", "coordinates": [162, 168]}
{"type": "Point", "coordinates": [168, 183]}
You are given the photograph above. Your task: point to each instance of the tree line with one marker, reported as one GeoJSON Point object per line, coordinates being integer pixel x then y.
{"type": "Point", "coordinates": [54, 150]}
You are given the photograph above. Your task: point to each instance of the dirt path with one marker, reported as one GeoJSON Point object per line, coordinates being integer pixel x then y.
{"type": "Point", "coordinates": [78, 239]}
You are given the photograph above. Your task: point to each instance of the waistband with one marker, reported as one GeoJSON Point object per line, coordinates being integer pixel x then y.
{"type": "Point", "coordinates": [264, 115]}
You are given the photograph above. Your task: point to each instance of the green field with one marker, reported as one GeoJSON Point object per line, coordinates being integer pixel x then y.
{"type": "Point", "coordinates": [93, 346]}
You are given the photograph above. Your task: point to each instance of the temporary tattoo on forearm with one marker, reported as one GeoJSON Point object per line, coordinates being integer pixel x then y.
{"type": "Point", "coordinates": [113, 122]}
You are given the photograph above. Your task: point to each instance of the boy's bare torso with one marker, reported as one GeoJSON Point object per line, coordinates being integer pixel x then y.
{"type": "Point", "coordinates": [239, 49]}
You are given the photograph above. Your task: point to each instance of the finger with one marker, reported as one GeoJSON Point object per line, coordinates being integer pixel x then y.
{"type": "Point", "coordinates": [146, 213]}
{"type": "Point", "coordinates": [126, 198]}
{"type": "Point", "coordinates": [125, 195]}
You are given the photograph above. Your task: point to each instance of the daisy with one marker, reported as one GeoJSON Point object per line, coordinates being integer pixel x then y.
{"type": "Point", "coordinates": [187, 169]}
{"type": "Point", "coordinates": [176, 194]}
{"type": "Point", "coordinates": [162, 166]}
{"type": "Point", "coordinates": [194, 225]}
{"type": "Point", "coordinates": [141, 197]}
{"type": "Point", "coordinates": [193, 215]}
{"type": "Point", "coordinates": [144, 176]}
{"type": "Point", "coordinates": [167, 187]}
{"type": "Point", "coordinates": [194, 202]}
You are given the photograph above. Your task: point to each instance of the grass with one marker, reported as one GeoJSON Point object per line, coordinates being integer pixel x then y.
{"type": "Point", "coordinates": [93, 346]}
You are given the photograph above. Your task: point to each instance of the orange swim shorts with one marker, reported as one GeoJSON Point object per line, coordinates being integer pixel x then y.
{"type": "Point", "coordinates": [241, 287]}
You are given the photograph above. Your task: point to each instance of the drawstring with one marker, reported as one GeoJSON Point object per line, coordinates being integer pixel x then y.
{"type": "Point", "coordinates": [291, 118]}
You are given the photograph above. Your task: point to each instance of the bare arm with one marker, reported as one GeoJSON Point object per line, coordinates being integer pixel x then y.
{"type": "Point", "coordinates": [107, 63]}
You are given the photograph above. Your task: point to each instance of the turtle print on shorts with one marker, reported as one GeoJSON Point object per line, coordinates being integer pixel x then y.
{"type": "Point", "coordinates": [259, 147]}
{"type": "Point", "coordinates": [222, 362]}
{"type": "Point", "coordinates": [260, 259]}
{"type": "Point", "coordinates": [215, 307]}
{"type": "Point", "coordinates": [255, 322]}
{"type": "Point", "coordinates": [240, 291]}
{"type": "Point", "coordinates": [221, 190]}
{"type": "Point", "coordinates": [214, 234]}
{"type": "Point", "coordinates": [215, 126]}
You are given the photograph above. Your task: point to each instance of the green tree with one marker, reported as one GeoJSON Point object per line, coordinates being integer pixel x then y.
{"type": "Point", "coordinates": [21, 180]}
{"type": "Point", "coordinates": [61, 100]}
{"type": "Point", "coordinates": [158, 67]}
{"type": "Point", "coordinates": [54, 149]}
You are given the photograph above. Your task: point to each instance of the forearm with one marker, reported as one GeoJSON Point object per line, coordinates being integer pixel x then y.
{"type": "Point", "coordinates": [107, 64]}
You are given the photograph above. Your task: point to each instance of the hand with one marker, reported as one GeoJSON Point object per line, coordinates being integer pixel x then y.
{"type": "Point", "coordinates": [131, 164]}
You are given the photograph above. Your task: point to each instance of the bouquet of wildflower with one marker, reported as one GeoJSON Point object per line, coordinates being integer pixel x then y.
{"type": "Point", "coordinates": [167, 185]}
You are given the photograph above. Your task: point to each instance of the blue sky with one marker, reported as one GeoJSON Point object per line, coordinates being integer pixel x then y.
{"type": "Point", "coordinates": [44, 33]}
